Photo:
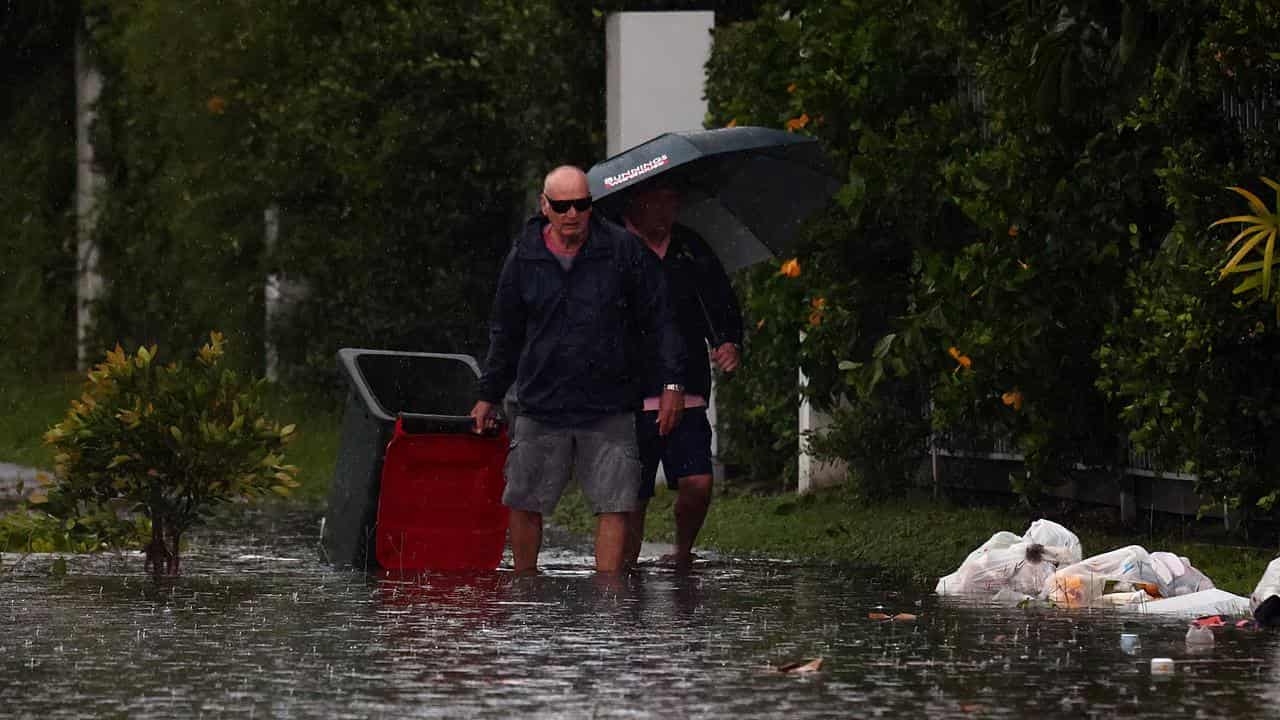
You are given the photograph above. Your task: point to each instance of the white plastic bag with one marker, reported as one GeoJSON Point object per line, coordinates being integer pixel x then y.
{"type": "Point", "coordinates": [999, 565]}
{"type": "Point", "coordinates": [1266, 596]}
{"type": "Point", "coordinates": [957, 582]}
{"type": "Point", "coordinates": [1184, 579]}
{"type": "Point", "coordinates": [1122, 570]}
{"type": "Point", "coordinates": [1061, 543]}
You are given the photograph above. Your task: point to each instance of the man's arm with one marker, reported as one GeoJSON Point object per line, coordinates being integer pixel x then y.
{"type": "Point", "coordinates": [506, 340]}
{"type": "Point", "coordinates": [656, 317]}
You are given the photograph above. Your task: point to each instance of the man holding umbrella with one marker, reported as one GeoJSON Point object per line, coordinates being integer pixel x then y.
{"type": "Point", "coordinates": [710, 321]}
{"type": "Point", "coordinates": [745, 191]}
{"type": "Point", "coordinates": [573, 293]}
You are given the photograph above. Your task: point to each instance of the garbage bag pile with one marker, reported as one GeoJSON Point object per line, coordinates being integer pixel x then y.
{"type": "Point", "coordinates": [1046, 564]}
{"type": "Point", "coordinates": [1009, 562]}
{"type": "Point", "coordinates": [1124, 576]}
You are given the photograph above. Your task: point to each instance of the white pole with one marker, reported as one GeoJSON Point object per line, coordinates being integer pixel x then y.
{"type": "Point", "coordinates": [811, 473]}
{"type": "Point", "coordinates": [89, 183]}
{"type": "Point", "coordinates": [271, 293]}
{"type": "Point", "coordinates": [717, 451]}
{"type": "Point", "coordinates": [805, 462]}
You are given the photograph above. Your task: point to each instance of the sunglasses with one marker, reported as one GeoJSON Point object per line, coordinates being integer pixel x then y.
{"type": "Point", "coordinates": [581, 204]}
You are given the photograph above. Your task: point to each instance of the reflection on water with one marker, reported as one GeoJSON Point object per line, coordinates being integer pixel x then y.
{"type": "Point", "coordinates": [258, 628]}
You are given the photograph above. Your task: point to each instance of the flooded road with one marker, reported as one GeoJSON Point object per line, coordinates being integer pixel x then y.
{"type": "Point", "coordinates": [257, 627]}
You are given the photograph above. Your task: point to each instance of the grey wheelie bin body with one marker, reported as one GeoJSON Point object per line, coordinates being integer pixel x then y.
{"type": "Point", "coordinates": [430, 391]}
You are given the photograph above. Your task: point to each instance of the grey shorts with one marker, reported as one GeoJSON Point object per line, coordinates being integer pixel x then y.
{"type": "Point", "coordinates": [602, 455]}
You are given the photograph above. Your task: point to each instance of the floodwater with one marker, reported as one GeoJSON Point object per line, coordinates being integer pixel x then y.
{"type": "Point", "coordinates": [258, 627]}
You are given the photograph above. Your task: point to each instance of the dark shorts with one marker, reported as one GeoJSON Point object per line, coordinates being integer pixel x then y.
{"type": "Point", "coordinates": [602, 455]}
{"type": "Point", "coordinates": [686, 451]}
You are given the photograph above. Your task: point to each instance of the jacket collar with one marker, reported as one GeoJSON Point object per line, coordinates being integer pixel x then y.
{"type": "Point", "coordinates": [531, 246]}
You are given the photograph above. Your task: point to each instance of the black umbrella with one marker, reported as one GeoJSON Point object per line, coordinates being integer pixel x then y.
{"type": "Point", "coordinates": [745, 189]}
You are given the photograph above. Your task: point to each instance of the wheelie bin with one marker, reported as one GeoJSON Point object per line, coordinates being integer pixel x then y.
{"type": "Point", "coordinates": [414, 489]}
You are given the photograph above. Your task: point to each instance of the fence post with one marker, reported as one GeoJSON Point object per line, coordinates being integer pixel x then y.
{"type": "Point", "coordinates": [1128, 499]}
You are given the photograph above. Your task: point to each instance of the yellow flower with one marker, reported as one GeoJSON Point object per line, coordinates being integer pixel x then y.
{"type": "Point", "coordinates": [790, 268]}
{"type": "Point", "coordinates": [733, 122]}
{"type": "Point", "coordinates": [791, 88]}
{"type": "Point", "coordinates": [216, 105]}
{"type": "Point", "coordinates": [1013, 399]}
{"type": "Point", "coordinates": [796, 123]}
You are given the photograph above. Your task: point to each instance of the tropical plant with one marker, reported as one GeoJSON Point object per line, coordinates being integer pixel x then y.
{"type": "Point", "coordinates": [169, 442]}
{"type": "Point", "coordinates": [1257, 237]}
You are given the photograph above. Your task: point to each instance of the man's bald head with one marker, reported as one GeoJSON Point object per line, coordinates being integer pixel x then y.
{"type": "Point", "coordinates": [567, 183]}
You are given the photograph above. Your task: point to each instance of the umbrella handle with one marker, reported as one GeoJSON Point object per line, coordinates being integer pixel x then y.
{"type": "Point", "coordinates": [715, 335]}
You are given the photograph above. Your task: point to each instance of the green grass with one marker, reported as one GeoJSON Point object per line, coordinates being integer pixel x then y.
{"type": "Point", "coordinates": [29, 408]}
{"type": "Point", "coordinates": [315, 448]}
{"type": "Point", "coordinates": [917, 538]}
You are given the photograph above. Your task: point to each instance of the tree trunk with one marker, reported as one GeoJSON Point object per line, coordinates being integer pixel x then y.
{"type": "Point", "coordinates": [162, 552]}
{"type": "Point", "coordinates": [89, 183]}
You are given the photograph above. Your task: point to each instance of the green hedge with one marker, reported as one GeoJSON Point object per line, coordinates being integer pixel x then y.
{"type": "Point", "coordinates": [402, 143]}
{"type": "Point", "coordinates": [1025, 185]}
{"type": "Point", "coordinates": [37, 152]}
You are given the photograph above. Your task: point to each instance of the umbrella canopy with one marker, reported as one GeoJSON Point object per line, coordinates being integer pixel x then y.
{"type": "Point", "coordinates": [745, 189]}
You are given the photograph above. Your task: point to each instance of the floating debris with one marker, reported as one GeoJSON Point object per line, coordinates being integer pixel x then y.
{"type": "Point", "coordinates": [799, 668]}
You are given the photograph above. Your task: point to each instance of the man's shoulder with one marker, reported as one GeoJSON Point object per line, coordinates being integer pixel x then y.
{"type": "Point", "coordinates": [614, 238]}
{"type": "Point", "coordinates": [529, 238]}
{"type": "Point", "coordinates": [689, 238]}
{"type": "Point", "coordinates": [609, 230]}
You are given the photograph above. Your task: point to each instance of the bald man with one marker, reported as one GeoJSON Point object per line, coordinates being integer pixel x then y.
{"type": "Point", "coordinates": [575, 293]}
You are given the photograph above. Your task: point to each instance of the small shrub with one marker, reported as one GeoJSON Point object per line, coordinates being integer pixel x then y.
{"type": "Point", "coordinates": [28, 530]}
{"type": "Point", "coordinates": [168, 442]}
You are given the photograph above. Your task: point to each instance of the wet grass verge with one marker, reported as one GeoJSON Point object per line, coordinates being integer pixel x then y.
{"type": "Point", "coordinates": [28, 409]}
{"type": "Point", "coordinates": [918, 538]}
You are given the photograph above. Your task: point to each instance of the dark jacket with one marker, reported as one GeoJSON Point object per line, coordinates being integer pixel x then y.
{"type": "Point", "coordinates": [568, 338]}
{"type": "Point", "coordinates": [705, 307]}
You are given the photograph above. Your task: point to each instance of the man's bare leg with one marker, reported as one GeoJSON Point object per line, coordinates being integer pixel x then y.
{"type": "Point", "coordinates": [692, 503]}
{"type": "Point", "coordinates": [526, 540]}
{"type": "Point", "coordinates": [611, 540]}
{"type": "Point", "coordinates": [635, 534]}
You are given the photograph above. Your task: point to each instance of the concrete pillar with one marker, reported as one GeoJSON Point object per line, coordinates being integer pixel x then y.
{"type": "Point", "coordinates": [89, 183]}
{"type": "Point", "coordinates": [656, 74]}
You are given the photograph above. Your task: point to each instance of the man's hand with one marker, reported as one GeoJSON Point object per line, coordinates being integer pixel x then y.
{"type": "Point", "coordinates": [484, 417]}
{"type": "Point", "coordinates": [726, 357]}
{"type": "Point", "coordinates": [670, 407]}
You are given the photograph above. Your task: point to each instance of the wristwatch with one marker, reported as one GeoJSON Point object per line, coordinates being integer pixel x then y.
{"type": "Point", "coordinates": [676, 387]}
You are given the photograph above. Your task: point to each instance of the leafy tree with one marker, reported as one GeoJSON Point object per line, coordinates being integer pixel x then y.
{"type": "Point", "coordinates": [37, 152]}
{"type": "Point", "coordinates": [169, 442]}
{"type": "Point", "coordinates": [1009, 174]}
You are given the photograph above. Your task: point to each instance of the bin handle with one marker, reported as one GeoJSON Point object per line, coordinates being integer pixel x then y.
{"type": "Point", "coordinates": [348, 361]}
{"type": "Point", "coordinates": [417, 423]}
